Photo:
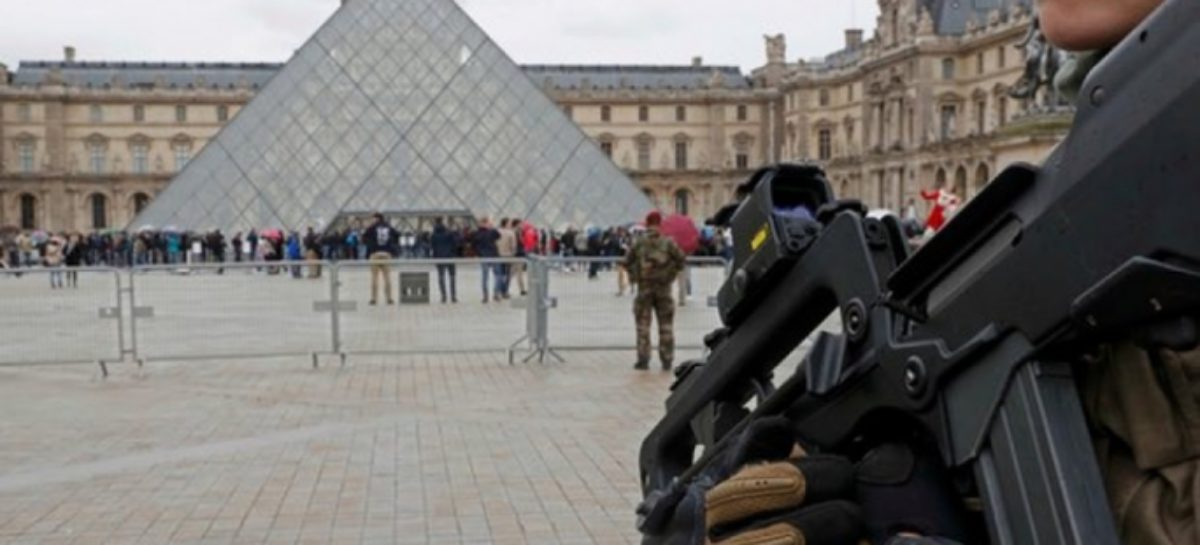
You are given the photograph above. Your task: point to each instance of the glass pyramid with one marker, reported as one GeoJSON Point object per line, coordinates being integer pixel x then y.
{"type": "Point", "coordinates": [405, 107]}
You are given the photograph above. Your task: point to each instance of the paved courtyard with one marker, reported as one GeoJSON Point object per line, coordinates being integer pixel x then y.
{"type": "Point", "coordinates": [247, 312]}
{"type": "Point", "coordinates": [432, 448]}
{"type": "Point", "coordinates": [438, 449]}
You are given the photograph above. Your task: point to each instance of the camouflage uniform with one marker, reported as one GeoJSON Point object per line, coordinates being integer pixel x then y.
{"type": "Point", "coordinates": [1144, 409]}
{"type": "Point", "coordinates": [653, 263]}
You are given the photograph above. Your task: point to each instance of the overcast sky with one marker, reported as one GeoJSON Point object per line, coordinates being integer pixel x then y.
{"type": "Point", "coordinates": [532, 31]}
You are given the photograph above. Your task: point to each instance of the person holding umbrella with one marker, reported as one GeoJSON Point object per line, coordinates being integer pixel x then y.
{"type": "Point", "coordinates": [653, 263]}
{"type": "Point", "coordinates": [682, 230]}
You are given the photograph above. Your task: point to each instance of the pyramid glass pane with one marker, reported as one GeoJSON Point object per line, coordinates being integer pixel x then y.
{"type": "Point", "coordinates": [405, 107]}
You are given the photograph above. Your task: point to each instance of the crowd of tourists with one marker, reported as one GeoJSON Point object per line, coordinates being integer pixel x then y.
{"type": "Point", "coordinates": [281, 251]}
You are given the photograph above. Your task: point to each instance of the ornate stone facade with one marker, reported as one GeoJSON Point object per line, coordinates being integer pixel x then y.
{"type": "Point", "coordinates": [921, 103]}
{"type": "Point", "coordinates": [687, 135]}
{"type": "Point", "coordinates": [82, 156]}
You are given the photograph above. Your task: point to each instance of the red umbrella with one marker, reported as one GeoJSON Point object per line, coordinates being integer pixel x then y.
{"type": "Point", "coordinates": [274, 234]}
{"type": "Point", "coordinates": [683, 231]}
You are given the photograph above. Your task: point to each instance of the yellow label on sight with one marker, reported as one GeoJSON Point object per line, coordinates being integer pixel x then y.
{"type": "Point", "coordinates": [760, 238]}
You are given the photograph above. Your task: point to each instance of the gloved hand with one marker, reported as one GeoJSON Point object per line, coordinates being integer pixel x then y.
{"type": "Point", "coordinates": [766, 491]}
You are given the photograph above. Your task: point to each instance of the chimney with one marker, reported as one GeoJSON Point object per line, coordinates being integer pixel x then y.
{"type": "Point", "coordinates": [697, 62]}
{"type": "Point", "coordinates": [854, 38]}
{"type": "Point", "coordinates": [69, 53]}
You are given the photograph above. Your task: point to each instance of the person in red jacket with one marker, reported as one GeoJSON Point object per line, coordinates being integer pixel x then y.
{"type": "Point", "coordinates": [527, 240]}
{"type": "Point", "coordinates": [944, 203]}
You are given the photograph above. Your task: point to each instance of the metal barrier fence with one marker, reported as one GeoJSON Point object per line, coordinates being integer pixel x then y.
{"type": "Point", "coordinates": [420, 321]}
{"type": "Point", "coordinates": [61, 315]}
{"type": "Point", "coordinates": [592, 303]}
{"type": "Point", "coordinates": [226, 311]}
{"type": "Point", "coordinates": [255, 310]}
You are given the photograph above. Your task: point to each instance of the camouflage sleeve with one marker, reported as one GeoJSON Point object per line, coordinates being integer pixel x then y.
{"type": "Point", "coordinates": [1144, 409]}
{"type": "Point", "coordinates": [631, 259]}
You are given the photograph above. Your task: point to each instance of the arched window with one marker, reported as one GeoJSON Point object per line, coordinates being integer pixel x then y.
{"type": "Point", "coordinates": [28, 211]}
{"type": "Point", "coordinates": [940, 180]}
{"type": "Point", "coordinates": [99, 211]}
{"type": "Point", "coordinates": [140, 202]}
{"type": "Point", "coordinates": [982, 177]}
{"type": "Point", "coordinates": [960, 182]}
{"type": "Point", "coordinates": [682, 202]}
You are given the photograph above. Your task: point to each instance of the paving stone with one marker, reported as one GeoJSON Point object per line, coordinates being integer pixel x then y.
{"type": "Point", "coordinates": [235, 452]}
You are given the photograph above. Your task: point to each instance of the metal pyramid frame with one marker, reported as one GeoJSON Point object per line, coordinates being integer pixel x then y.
{"type": "Point", "coordinates": [403, 106]}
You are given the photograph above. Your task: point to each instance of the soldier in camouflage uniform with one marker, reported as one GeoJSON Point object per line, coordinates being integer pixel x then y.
{"type": "Point", "coordinates": [653, 263]}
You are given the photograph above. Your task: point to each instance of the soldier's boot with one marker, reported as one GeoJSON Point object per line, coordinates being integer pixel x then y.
{"type": "Point", "coordinates": [641, 365]}
{"type": "Point", "coordinates": [667, 366]}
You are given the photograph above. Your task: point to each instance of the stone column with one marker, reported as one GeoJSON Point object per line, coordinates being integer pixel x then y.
{"type": "Point", "coordinates": [764, 132]}
{"type": "Point", "coordinates": [118, 212]}
{"type": "Point", "coordinates": [56, 134]}
{"type": "Point", "coordinates": [717, 136]}
{"type": "Point", "coordinates": [43, 212]}
{"type": "Point", "coordinates": [771, 144]}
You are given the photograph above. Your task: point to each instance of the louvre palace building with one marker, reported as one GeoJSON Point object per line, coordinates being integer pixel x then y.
{"type": "Point", "coordinates": [922, 103]}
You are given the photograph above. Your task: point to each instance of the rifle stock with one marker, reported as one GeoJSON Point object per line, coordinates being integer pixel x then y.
{"type": "Point", "coordinates": [964, 342]}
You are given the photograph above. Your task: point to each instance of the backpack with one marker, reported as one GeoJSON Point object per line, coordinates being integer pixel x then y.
{"type": "Point", "coordinates": [654, 262]}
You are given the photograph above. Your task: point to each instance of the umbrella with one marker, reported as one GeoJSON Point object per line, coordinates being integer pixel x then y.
{"type": "Point", "coordinates": [271, 233]}
{"type": "Point", "coordinates": [683, 231]}
{"type": "Point", "coordinates": [171, 229]}
{"type": "Point", "coordinates": [145, 228]}
{"type": "Point", "coordinates": [39, 237]}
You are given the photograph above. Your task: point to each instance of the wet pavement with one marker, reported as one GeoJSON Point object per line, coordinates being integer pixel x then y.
{"type": "Point", "coordinates": [437, 449]}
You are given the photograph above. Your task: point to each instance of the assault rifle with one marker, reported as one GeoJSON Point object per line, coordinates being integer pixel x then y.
{"type": "Point", "coordinates": [967, 342]}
